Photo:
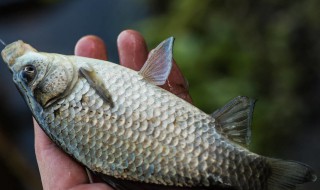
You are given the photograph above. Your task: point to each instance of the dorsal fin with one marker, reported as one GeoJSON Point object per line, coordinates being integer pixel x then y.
{"type": "Point", "coordinates": [158, 65]}
{"type": "Point", "coordinates": [234, 120]}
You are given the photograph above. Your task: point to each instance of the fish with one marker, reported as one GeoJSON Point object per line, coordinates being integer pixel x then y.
{"type": "Point", "coordinates": [123, 127]}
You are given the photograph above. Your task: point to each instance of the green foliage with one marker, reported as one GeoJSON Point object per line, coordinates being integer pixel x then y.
{"type": "Point", "coordinates": [229, 48]}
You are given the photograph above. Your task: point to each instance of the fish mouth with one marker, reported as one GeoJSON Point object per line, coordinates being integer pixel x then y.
{"type": "Point", "coordinates": [35, 108]}
{"type": "Point", "coordinates": [27, 95]}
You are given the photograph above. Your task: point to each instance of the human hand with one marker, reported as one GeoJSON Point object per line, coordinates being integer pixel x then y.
{"type": "Point", "coordinates": [57, 169]}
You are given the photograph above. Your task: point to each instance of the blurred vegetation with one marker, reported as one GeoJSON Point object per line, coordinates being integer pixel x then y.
{"type": "Point", "coordinates": [264, 49]}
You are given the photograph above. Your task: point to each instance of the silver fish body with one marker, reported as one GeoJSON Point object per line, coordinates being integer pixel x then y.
{"type": "Point", "coordinates": [118, 123]}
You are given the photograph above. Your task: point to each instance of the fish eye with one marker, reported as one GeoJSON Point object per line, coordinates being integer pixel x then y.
{"type": "Point", "coordinates": [28, 73]}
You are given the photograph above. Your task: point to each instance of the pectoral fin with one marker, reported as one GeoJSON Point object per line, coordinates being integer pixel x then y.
{"type": "Point", "coordinates": [158, 65]}
{"type": "Point", "coordinates": [234, 120]}
{"type": "Point", "coordinates": [97, 83]}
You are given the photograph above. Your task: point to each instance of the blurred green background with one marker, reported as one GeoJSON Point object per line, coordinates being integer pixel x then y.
{"type": "Point", "coordinates": [265, 49]}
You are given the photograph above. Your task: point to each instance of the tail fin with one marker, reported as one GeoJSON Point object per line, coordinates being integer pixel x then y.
{"type": "Point", "coordinates": [285, 175]}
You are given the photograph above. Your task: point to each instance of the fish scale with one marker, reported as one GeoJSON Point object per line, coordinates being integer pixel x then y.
{"type": "Point", "coordinates": [157, 152]}
{"type": "Point", "coordinates": [123, 127]}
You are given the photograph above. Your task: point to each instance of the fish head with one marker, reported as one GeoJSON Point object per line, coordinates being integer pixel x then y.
{"type": "Point", "coordinates": [40, 77]}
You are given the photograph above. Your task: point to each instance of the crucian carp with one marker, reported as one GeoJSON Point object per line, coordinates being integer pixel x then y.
{"type": "Point", "coordinates": [120, 125]}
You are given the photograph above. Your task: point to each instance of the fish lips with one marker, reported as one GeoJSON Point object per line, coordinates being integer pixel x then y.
{"type": "Point", "coordinates": [27, 95]}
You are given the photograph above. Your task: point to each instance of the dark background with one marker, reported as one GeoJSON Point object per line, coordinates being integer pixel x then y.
{"type": "Point", "coordinates": [266, 49]}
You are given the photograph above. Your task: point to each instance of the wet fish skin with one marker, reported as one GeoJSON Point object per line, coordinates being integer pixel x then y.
{"type": "Point", "coordinates": [118, 123]}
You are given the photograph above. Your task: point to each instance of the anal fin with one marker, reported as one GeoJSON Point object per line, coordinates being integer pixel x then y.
{"type": "Point", "coordinates": [234, 120]}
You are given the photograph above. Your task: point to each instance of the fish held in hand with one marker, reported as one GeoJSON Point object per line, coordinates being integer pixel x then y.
{"type": "Point", "coordinates": [119, 124]}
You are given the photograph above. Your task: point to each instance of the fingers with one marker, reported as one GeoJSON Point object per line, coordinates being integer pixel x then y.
{"type": "Point", "coordinates": [132, 49]}
{"type": "Point", "coordinates": [91, 46]}
{"type": "Point", "coordinates": [133, 54]}
{"type": "Point", "coordinates": [57, 170]}
{"type": "Point", "coordinates": [177, 84]}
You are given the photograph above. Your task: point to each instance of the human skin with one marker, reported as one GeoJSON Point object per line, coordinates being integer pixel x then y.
{"type": "Point", "coordinates": [57, 169]}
